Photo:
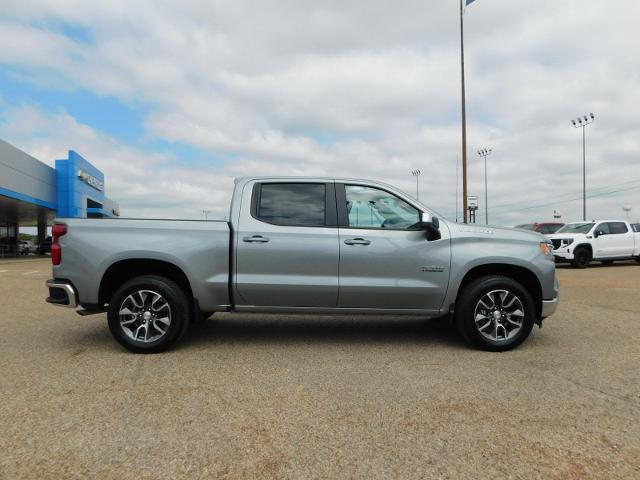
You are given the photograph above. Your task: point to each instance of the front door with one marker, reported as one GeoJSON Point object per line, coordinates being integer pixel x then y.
{"type": "Point", "coordinates": [385, 261]}
{"type": "Point", "coordinates": [287, 246]}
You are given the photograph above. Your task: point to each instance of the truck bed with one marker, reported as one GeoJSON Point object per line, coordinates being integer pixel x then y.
{"type": "Point", "coordinates": [199, 248]}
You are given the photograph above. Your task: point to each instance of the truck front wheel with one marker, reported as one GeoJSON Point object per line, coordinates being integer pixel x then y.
{"type": "Point", "coordinates": [148, 314]}
{"type": "Point", "coordinates": [495, 313]}
{"type": "Point", "coordinates": [581, 258]}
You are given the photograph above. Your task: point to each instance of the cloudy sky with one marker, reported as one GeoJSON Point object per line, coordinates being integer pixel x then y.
{"type": "Point", "coordinates": [172, 100]}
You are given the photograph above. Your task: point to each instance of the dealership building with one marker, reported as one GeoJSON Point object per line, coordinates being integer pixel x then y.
{"type": "Point", "coordinates": [33, 193]}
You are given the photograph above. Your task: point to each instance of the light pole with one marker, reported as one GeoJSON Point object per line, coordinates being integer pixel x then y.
{"type": "Point", "coordinates": [582, 123]}
{"type": "Point", "coordinates": [416, 173]}
{"type": "Point", "coordinates": [206, 213]}
{"type": "Point", "coordinates": [463, 4]}
{"type": "Point", "coordinates": [485, 152]}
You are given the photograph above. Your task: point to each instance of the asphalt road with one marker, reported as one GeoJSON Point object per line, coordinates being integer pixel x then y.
{"type": "Point", "coordinates": [267, 396]}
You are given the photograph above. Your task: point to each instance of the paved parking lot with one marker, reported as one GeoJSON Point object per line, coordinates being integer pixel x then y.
{"type": "Point", "coordinates": [267, 396]}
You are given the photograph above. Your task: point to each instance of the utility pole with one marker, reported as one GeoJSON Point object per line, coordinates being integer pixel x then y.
{"type": "Point", "coordinates": [485, 152]}
{"type": "Point", "coordinates": [457, 181]}
{"type": "Point", "coordinates": [206, 213]}
{"type": "Point", "coordinates": [582, 123]}
{"type": "Point", "coordinates": [464, 119]}
{"type": "Point", "coordinates": [416, 173]}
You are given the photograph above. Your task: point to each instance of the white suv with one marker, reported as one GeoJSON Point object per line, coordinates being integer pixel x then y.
{"type": "Point", "coordinates": [603, 240]}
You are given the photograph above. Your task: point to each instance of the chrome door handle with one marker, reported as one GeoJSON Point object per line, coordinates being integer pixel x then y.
{"type": "Point", "coordinates": [357, 241]}
{"type": "Point", "coordinates": [256, 239]}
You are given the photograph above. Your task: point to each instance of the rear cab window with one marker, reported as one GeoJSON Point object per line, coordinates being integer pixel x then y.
{"type": "Point", "coordinates": [616, 228]}
{"type": "Point", "coordinates": [302, 204]}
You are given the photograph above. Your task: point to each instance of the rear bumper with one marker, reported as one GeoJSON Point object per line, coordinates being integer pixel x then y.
{"type": "Point", "coordinates": [62, 293]}
{"type": "Point", "coordinates": [549, 307]}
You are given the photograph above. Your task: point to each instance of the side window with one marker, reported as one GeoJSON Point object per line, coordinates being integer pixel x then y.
{"type": "Point", "coordinates": [291, 204]}
{"type": "Point", "coordinates": [617, 227]}
{"type": "Point", "coordinates": [370, 207]}
{"type": "Point", "coordinates": [604, 228]}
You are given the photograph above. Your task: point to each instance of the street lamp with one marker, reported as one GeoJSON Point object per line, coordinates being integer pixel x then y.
{"type": "Point", "coordinates": [485, 152]}
{"type": "Point", "coordinates": [582, 123]}
{"type": "Point", "coordinates": [416, 173]}
{"type": "Point", "coordinates": [206, 213]}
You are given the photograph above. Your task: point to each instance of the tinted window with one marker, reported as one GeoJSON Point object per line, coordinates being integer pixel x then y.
{"type": "Point", "coordinates": [526, 226]}
{"type": "Point", "coordinates": [374, 208]}
{"type": "Point", "coordinates": [292, 203]}
{"type": "Point", "coordinates": [576, 228]}
{"type": "Point", "coordinates": [617, 227]}
{"type": "Point", "coordinates": [603, 228]}
{"type": "Point", "coordinates": [636, 227]}
{"type": "Point", "coordinates": [553, 227]}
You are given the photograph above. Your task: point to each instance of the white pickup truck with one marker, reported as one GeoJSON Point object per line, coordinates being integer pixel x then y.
{"type": "Point", "coordinates": [602, 240]}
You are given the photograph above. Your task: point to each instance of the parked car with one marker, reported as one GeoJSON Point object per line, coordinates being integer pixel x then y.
{"type": "Point", "coordinates": [45, 246]}
{"type": "Point", "coordinates": [546, 228]}
{"type": "Point", "coordinates": [26, 247]}
{"type": "Point", "coordinates": [304, 245]}
{"type": "Point", "coordinates": [603, 240]}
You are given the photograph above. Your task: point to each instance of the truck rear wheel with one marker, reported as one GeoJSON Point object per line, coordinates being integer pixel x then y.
{"type": "Point", "coordinates": [495, 313]}
{"type": "Point", "coordinates": [581, 258]}
{"type": "Point", "coordinates": [148, 314]}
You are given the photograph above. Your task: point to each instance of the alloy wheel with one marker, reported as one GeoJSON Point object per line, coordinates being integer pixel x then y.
{"type": "Point", "coordinates": [499, 315]}
{"type": "Point", "coordinates": [145, 316]}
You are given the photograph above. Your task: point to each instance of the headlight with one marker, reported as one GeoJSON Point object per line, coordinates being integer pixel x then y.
{"type": "Point", "coordinates": [546, 248]}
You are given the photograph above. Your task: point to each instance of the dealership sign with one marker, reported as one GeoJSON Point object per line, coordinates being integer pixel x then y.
{"type": "Point", "coordinates": [90, 180]}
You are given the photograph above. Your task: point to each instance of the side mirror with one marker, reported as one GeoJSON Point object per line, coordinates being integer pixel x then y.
{"type": "Point", "coordinates": [431, 224]}
{"type": "Point", "coordinates": [597, 233]}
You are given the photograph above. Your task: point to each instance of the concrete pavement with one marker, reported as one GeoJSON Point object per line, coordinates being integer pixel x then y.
{"type": "Point", "coordinates": [271, 396]}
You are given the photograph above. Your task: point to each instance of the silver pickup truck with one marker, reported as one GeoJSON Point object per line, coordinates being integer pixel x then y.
{"type": "Point", "coordinates": [304, 245]}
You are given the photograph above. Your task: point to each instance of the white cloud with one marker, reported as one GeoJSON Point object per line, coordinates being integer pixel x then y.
{"type": "Point", "coordinates": [348, 88]}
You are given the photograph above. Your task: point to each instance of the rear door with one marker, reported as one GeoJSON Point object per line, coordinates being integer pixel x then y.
{"type": "Point", "coordinates": [287, 245]}
{"type": "Point", "coordinates": [619, 240]}
{"type": "Point", "coordinates": [385, 261]}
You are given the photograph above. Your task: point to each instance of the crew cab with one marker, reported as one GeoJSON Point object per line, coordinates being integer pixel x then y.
{"type": "Point", "coordinates": [605, 240]}
{"type": "Point", "coordinates": [304, 246]}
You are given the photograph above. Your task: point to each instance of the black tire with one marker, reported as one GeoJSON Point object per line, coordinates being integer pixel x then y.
{"type": "Point", "coordinates": [179, 313]}
{"type": "Point", "coordinates": [581, 258]}
{"type": "Point", "coordinates": [466, 310]}
{"type": "Point", "coordinates": [606, 262]}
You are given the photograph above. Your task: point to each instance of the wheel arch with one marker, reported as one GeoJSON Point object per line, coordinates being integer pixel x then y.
{"type": "Point", "coordinates": [522, 275]}
{"type": "Point", "coordinates": [123, 270]}
{"type": "Point", "coordinates": [586, 246]}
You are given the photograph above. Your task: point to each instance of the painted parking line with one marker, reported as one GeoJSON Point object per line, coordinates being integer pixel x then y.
{"type": "Point", "coordinates": [29, 273]}
{"type": "Point", "coordinates": [2, 271]}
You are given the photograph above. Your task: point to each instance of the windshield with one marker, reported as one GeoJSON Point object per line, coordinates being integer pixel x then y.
{"type": "Point", "coordinates": [576, 228]}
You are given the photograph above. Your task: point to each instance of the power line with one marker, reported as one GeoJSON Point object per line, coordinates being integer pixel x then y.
{"type": "Point", "coordinates": [559, 196]}
{"type": "Point", "coordinates": [557, 201]}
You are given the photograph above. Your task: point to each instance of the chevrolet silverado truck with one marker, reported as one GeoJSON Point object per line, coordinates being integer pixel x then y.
{"type": "Point", "coordinates": [604, 240]}
{"type": "Point", "coordinates": [304, 246]}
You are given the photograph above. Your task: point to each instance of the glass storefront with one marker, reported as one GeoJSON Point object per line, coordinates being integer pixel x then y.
{"type": "Point", "coordinates": [8, 240]}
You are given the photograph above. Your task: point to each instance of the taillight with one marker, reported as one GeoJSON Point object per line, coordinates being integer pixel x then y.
{"type": "Point", "coordinates": [58, 230]}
